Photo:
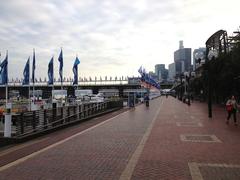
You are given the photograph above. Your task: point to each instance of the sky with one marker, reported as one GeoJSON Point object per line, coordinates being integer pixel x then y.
{"type": "Point", "coordinates": [111, 38]}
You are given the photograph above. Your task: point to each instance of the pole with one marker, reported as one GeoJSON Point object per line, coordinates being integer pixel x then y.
{"type": "Point", "coordinates": [8, 116]}
{"type": "Point", "coordinates": [6, 94]}
{"type": "Point", "coordinates": [181, 93]}
{"type": "Point", "coordinates": [29, 96]}
{"type": "Point", "coordinates": [208, 73]}
{"type": "Point", "coordinates": [53, 80]}
{"type": "Point", "coordinates": [189, 101]}
{"type": "Point", "coordinates": [209, 94]}
{"type": "Point", "coordinates": [33, 80]}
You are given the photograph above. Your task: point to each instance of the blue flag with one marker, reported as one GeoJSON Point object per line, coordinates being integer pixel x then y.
{"type": "Point", "coordinates": [33, 67]}
{"type": "Point", "coordinates": [4, 71]}
{"type": "Point", "coordinates": [75, 71]}
{"type": "Point", "coordinates": [140, 70]}
{"type": "Point", "coordinates": [60, 59]}
{"type": "Point", "coordinates": [50, 72]}
{"type": "Point", "coordinates": [26, 73]}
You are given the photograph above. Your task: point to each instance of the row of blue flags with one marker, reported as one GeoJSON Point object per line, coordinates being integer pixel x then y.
{"type": "Point", "coordinates": [145, 77]}
{"type": "Point", "coordinates": [26, 71]}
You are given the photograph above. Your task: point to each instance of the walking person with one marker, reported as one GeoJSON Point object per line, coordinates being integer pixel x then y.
{"type": "Point", "coordinates": [232, 108]}
{"type": "Point", "coordinates": [146, 99]}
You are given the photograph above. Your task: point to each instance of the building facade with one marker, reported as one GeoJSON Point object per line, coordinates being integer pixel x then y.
{"type": "Point", "coordinates": [182, 59]}
{"type": "Point", "coordinates": [161, 72]}
{"type": "Point", "coordinates": [171, 72]}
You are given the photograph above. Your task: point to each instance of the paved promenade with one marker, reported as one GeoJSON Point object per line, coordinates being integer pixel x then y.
{"type": "Point", "coordinates": [170, 141]}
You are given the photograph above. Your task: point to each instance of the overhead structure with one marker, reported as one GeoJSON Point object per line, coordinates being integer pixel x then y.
{"type": "Point", "coordinates": [217, 44]}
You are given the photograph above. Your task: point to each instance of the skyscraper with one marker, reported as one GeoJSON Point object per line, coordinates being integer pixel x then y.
{"type": "Point", "coordinates": [161, 72]}
{"type": "Point", "coordinates": [171, 71]}
{"type": "Point", "coordinates": [182, 59]}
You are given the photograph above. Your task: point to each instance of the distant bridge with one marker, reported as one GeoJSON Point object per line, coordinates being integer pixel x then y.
{"type": "Point", "coordinates": [95, 85]}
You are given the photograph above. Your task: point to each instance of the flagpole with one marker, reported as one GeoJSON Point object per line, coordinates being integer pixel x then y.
{"type": "Point", "coordinates": [53, 79]}
{"type": "Point", "coordinates": [29, 86]}
{"type": "Point", "coordinates": [62, 72]}
{"type": "Point", "coordinates": [29, 95]}
{"type": "Point", "coordinates": [7, 83]}
{"type": "Point", "coordinates": [33, 80]}
{"type": "Point", "coordinates": [6, 94]}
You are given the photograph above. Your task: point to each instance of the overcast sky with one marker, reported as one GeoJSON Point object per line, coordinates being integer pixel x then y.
{"type": "Point", "coordinates": [112, 37]}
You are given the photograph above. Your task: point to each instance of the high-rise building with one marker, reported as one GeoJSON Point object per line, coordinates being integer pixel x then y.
{"type": "Point", "coordinates": [198, 57]}
{"type": "Point", "coordinates": [161, 72]}
{"type": "Point", "coordinates": [182, 59]}
{"type": "Point", "coordinates": [158, 69]}
{"type": "Point", "coordinates": [171, 71]}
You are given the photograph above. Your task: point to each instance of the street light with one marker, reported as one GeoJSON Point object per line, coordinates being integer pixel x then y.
{"type": "Point", "coordinates": [210, 55]}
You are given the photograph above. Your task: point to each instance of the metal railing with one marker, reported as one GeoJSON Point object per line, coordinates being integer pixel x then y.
{"type": "Point", "coordinates": [32, 122]}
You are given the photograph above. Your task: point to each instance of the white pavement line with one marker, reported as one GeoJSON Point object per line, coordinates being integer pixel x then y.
{"type": "Point", "coordinates": [128, 171]}
{"type": "Point", "coordinates": [195, 172]}
{"type": "Point", "coordinates": [14, 163]}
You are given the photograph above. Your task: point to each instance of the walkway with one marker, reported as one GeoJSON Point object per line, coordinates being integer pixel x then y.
{"type": "Point", "coordinates": [169, 140]}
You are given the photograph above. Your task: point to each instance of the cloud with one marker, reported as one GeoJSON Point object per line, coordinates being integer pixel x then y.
{"type": "Point", "coordinates": [110, 37]}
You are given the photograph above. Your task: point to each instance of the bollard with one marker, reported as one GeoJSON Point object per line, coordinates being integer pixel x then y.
{"type": "Point", "coordinates": [8, 121]}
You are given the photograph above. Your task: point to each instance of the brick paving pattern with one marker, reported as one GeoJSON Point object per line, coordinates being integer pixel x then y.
{"type": "Point", "coordinates": [101, 153]}
{"type": "Point", "coordinates": [104, 151]}
{"type": "Point", "coordinates": [166, 157]}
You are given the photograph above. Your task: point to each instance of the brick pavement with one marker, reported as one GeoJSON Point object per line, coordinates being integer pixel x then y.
{"type": "Point", "coordinates": [210, 152]}
{"type": "Point", "coordinates": [99, 153]}
{"type": "Point", "coordinates": [170, 140]}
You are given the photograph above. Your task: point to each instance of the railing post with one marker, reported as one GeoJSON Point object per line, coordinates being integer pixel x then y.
{"type": "Point", "coordinates": [45, 119]}
{"type": "Point", "coordinates": [89, 109]}
{"type": "Point", "coordinates": [21, 123]}
{"type": "Point", "coordinates": [54, 113]}
{"type": "Point", "coordinates": [34, 120]}
{"type": "Point", "coordinates": [68, 113]}
{"type": "Point", "coordinates": [62, 115]}
{"type": "Point", "coordinates": [74, 111]}
{"type": "Point", "coordinates": [78, 112]}
{"type": "Point", "coordinates": [84, 110]}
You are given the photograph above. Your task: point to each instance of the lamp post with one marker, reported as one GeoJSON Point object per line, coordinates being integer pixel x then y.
{"type": "Point", "coordinates": [210, 55]}
{"type": "Point", "coordinates": [181, 82]}
{"type": "Point", "coordinates": [188, 77]}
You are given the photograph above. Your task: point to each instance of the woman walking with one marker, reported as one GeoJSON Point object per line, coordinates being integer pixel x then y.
{"type": "Point", "coordinates": [232, 107]}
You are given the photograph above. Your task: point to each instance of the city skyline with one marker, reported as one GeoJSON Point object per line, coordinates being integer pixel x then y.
{"type": "Point", "coordinates": [110, 38]}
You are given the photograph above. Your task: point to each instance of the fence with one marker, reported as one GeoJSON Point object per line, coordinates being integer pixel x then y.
{"type": "Point", "coordinates": [33, 122]}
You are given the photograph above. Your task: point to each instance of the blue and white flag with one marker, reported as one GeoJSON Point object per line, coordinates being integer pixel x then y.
{"type": "Point", "coordinates": [26, 73]}
{"type": "Point", "coordinates": [50, 72]}
{"type": "Point", "coordinates": [60, 59]}
{"type": "Point", "coordinates": [75, 71]}
{"type": "Point", "coordinates": [4, 71]}
{"type": "Point", "coordinates": [140, 70]}
{"type": "Point", "coordinates": [33, 67]}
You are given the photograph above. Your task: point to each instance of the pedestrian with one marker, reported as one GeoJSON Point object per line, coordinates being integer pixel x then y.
{"type": "Point", "coordinates": [146, 99]}
{"type": "Point", "coordinates": [232, 108]}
